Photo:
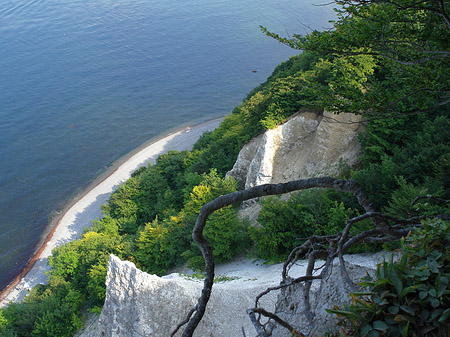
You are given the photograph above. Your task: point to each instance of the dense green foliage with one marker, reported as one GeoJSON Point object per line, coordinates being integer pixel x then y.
{"type": "Point", "coordinates": [383, 57]}
{"type": "Point", "coordinates": [49, 310]}
{"type": "Point", "coordinates": [417, 155]}
{"type": "Point", "coordinates": [409, 297]}
{"type": "Point", "coordinates": [387, 62]}
{"type": "Point", "coordinates": [287, 224]}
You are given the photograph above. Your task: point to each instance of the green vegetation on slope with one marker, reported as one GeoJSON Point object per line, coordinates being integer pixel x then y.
{"type": "Point", "coordinates": [409, 297]}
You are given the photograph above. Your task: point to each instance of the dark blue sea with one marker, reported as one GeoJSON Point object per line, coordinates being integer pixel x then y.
{"type": "Point", "coordinates": [84, 82]}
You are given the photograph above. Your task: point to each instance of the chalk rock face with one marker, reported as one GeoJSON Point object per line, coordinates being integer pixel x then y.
{"type": "Point", "coordinates": [139, 304]}
{"type": "Point", "coordinates": [331, 291]}
{"type": "Point", "coordinates": [133, 302]}
{"type": "Point", "coordinates": [306, 145]}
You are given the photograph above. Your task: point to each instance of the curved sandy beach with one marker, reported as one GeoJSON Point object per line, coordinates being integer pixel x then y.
{"type": "Point", "coordinates": [87, 208]}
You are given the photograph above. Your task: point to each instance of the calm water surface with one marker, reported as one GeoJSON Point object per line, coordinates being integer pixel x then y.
{"type": "Point", "coordinates": [84, 82]}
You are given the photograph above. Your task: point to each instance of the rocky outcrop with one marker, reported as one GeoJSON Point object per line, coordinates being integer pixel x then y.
{"type": "Point", "coordinates": [139, 304]}
{"type": "Point", "coordinates": [331, 291]}
{"type": "Point", "coordinates": [306, 145]}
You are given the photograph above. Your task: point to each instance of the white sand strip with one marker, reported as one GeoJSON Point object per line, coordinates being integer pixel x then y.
{"type": "Point", "coordinates": [82, 212]}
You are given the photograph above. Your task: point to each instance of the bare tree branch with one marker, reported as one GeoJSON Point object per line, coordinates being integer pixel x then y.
{"type": "Point", "coordinates": [277, 319]}
{"type": "Point", "coordinates": [429, 197]}
{"type": "Point", "coordinates": [350, 186]}
{"type": "Point", "coordinates": [259, 330]}
{"type": "Point", "coordinates": [325, 248]}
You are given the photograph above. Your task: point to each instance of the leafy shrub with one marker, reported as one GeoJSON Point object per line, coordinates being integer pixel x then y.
{"type": "Point", "coordinates": [49, 311]}
{"type": "Point", "coordinates": [283, 225]}
{"type": "Point", "coordinates": [287, 224]}
{"type": "Point", "coordinates": [409, 150]}
{"type": "Point", "coordinates": [410, 297]}
{"type": "Point", "coordinates": [227, 235]}
{"type": "Point", "coordinates": [155, 251]}
{"type": "Point", "coordinates": [401, 206]}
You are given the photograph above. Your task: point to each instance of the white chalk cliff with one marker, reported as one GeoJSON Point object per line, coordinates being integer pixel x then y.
{"type": "Point", "coordinates": [307, 145]}
{"type": "Point", "coordinates": [139, 304]}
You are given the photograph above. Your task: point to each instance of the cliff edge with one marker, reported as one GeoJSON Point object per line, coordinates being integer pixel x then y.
{"type": "Point", "coordinates": [139, 304]}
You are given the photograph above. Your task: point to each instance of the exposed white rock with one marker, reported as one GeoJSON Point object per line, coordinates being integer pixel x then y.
{"type": "Point", "coordinates": [306, 145]}
{"type": "Point", "coordinates": [333, 290]}
{"type": "Point", "coordinates": [139, 304]}
{"type": "Point", "coordinates": [245, 158]}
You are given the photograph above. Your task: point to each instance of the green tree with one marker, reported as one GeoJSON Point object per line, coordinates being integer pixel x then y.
{"type": "Point", "coordinates": [155, 251]}
{"type": "Point", "coordinates": [227, 234]}
{"type": "Point", "coordinates": [386, 57]}
{"type": "Point", "coordinates": [284, 225]}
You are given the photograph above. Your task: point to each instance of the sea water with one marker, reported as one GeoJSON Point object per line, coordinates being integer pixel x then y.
{"type": "Point", "coordinates": [83, 82]}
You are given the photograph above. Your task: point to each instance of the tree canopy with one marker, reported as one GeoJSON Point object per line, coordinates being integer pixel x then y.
{"type": "Point", "coordinates": [384, 56]}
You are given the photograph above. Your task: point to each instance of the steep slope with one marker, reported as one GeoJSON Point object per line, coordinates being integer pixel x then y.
{"type": "Point", "coordinates": [140, 304]}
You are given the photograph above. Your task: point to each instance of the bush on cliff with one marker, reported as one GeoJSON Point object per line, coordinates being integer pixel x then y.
{"type": "Point", "coordinates": [409, 297]}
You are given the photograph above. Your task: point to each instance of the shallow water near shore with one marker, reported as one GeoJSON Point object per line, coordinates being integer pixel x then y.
{"type": "Point", "coordinates": [85, 82]}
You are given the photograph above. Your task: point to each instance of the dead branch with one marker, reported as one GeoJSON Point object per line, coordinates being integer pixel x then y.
{"type": "Point", "coordinates": [277, 319]}
{"type": "Point", "coordinates": [324, 248]}
{"type": "Point", "coordinates": [429, 197]}
{"type": "Point", "coordinates": [349, 186]}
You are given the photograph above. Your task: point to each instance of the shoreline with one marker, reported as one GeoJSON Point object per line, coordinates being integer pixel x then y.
{"type": "Point", "coordinates": [79, 212]}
